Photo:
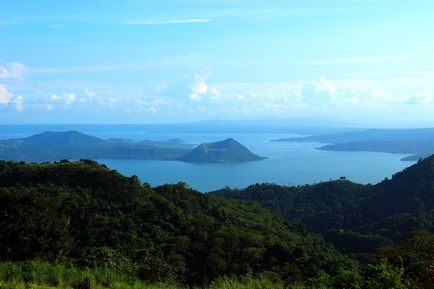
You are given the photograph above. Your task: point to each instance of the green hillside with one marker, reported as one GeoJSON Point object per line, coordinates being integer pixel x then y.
{"type": "Point", "coordinates": [86, 214]}
{"type": "Point", "coordinates": [81, 225]}
{"type": "Point", "coordinates": [73, 145]}
{"type": "Point", "coordinates": [357, 218]}
{"type": "Point", "coordinates": [226, 151]}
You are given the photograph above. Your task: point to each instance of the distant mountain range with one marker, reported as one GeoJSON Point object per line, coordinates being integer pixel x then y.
{"type": "Point", "coordinates": [418, 143]}
{"type": "Point", "coordinates": [276, 122]}
{"type": "Point", "coordinates": [303, 126]}
{"type": "Point", "coordinates": [225, 151]}
{"type": "Point", "coordinates": [52, 146]}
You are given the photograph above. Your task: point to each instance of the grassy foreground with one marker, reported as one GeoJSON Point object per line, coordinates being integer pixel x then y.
{"type": "Point", "coordinates": [45, 275]}
{"type": "Point", "coordinates": [37, 274]}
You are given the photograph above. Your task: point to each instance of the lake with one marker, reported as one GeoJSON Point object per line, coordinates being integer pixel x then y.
{"type": "Point", "coordinates": [286, 163]}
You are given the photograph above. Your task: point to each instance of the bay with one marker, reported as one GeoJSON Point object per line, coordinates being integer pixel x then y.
{"type": "Point", "coordinates": [286, 164]}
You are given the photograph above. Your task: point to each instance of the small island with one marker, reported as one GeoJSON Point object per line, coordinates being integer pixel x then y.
{"type": "Point", "coordinates": [226, 151]}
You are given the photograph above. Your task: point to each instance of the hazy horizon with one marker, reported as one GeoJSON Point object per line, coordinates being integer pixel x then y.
{"type": "Point", "coordinates": [368, 63]}
{"type": "Point", "coordinates": [317, 123]}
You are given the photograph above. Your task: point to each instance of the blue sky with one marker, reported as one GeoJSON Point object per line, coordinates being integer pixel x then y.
{"type": "Point", "coordinates": [367, 62]}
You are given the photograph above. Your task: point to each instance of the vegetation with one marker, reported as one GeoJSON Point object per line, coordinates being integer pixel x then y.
{"type": "Point", "coordinates": [356, 218]}
{"type": "Point", "coordinates": [54, 146]}
{"type": "Point", "coordinates": [86, 214]}
{"type": "Point", "coordinates": [38, 274]}
{"type": "Point", "coordinates": [81, 225]}
{"type": "Point", "coordinates": [226, 151]}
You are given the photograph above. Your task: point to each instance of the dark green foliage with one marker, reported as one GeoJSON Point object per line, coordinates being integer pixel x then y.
{"type": "Point", "coordinates": [393, 208]}
{"type": "Point", "coordinates": [303, 203]}
{"type": "Point", "coordinates": [92, 216]}
{"type": "Point", "coordinates": [415, 255]}
{"type": "Point", "coordinates": [85, 214]}
{"type": "Point", "coordinates": [31, 225]}
{"type": "Point", "coordinates": [356, 218]}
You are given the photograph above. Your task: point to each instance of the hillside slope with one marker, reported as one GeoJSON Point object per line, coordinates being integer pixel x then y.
{"type": "Point", "coordinates": [365, 216]}
{"type": "Point", "coordinates": [226, 151]}
{"type": "Point", "coordinates": [92, 216]}
{"type": "Point", "coordinates": [73, 145]}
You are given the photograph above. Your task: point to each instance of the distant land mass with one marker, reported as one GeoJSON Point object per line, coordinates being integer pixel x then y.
{"type": "Point", "coordinates": [74, 145]}
{"type": "Point", "coordinates": [51, 146]}
{"type": "Point", "coordinates": [303, 126]}
{"type": "Point", "coordinates": [226, 151]}
{"type": "Point", "coordinates": [418, 143]}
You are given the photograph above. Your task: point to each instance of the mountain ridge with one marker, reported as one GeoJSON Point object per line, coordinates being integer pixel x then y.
{"type": "Point", "coordinates": [359, 214]}
{"type": "Point", "coordinates": [74, 145]}
{"type": "Point", "coordinates": [52, 146]}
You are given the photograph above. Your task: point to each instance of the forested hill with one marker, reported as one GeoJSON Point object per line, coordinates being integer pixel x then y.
{"type": "Point", "coordinates": [82, 225]}
{"type": "Point", "coordinates": [87, 214]}
{"type": "Point", "coordinates": [355, 217]}
{"type": "Point", "coordinates": [54, 146]}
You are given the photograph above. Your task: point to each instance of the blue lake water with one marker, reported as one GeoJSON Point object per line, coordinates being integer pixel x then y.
{"type": "Point", "coordinates": [286, 163]}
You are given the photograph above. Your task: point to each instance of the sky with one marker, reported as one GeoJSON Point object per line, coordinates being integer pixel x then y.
{"type": "Point", "coordinates": [365, 62]}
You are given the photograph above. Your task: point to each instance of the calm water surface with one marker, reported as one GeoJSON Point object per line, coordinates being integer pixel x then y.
{"type": "Point", "coordinates": [286, 163]}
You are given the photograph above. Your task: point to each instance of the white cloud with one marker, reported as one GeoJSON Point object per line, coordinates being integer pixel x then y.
{"type": "Point", "coordinates": [318, 96]}
{"type": "Point", "coordinates": [7, 98]}
{"type": "Point", "coordinates": [66, 98]}
{"type": "Point", "coordinates": [199, 87]}
{"type": "Point", "coordinates": [13, 70]}
{"type": "Point", "coordinates": [55, 97]}
{"type": "Point", "coordinates": [69, 98]}
{"type": "Point", "coordinates": [18, 102]}
{"type": "Point", "coordinates": [89, 93]}
{"type": "Point", "coordinates": [324, 85]}
{"type": "Point", "coordinates": [215, 94]}
{"type": "Point", "coordinates": [5, 95]}
{"type": "Point", "coordinates": [195, 97]}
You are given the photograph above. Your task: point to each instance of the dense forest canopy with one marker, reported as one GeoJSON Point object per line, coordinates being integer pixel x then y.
{"type": "Point", "coordinates": [91, 215]}
{"type": "Point", "coordinates": [355, 217]}
{"type": "Point", "coordinates": [83, 214]}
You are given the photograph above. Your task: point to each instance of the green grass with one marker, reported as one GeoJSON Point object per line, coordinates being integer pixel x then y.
{"type": "Point", "coordinates": [247, 283]}
{"type": "Point", "coordinates": [43, 275]}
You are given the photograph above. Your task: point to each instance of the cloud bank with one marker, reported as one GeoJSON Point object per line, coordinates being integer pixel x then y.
{"type": "Point", "coordinates": [7, 98]}
{"type": "Point", "coordinates": [13, 70]}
